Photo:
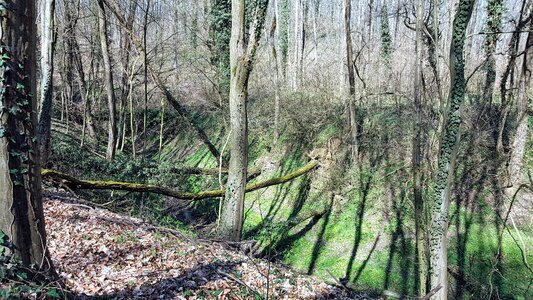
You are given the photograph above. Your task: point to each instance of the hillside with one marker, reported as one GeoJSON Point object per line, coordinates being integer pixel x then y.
{"type": "Point", "coordinates": [103, 255]}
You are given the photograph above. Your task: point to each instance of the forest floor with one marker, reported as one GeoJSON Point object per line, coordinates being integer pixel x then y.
{"type": "Point", "coordinates": [104, 255]}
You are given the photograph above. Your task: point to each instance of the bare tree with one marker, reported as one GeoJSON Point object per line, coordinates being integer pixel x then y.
{"type": "Point", "coordinates": [520, 138]}
{"type": "Point", "coordinates": [242, 53]}
{"type": "Point", "coordinates": [351, 106]}
{"type": "Point", "coordinates": [47, 70]}
{"type": "Point", "coordinates": [417, 157]}
{"type": "Point", "coordinates": [108, 72]}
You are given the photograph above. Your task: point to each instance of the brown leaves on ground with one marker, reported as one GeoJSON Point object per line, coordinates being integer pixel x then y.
{"type": "Point", "coordinates": [104, 255]}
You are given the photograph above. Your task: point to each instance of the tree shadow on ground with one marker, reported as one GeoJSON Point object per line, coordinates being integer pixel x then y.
{"type": "Point", "coordinates": [280, 195]}
{"type": "Point", "coordinates": [398, 236]}
{"type": "Point", "coordinates": [365, 182]}
{"type": "Point", "coordinates": [278, 237]}
{"type": "Point", "coordinates": [320, 238]}
{"type": "Point", "coordinates": [169, 288]}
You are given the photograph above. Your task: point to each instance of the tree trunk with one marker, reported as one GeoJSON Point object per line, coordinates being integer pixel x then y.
{"type": "Point", "coordinates": [520, 138]}
{"type": "Point", "coordinates": [65, 180]}
{"type": "Point", "coordinates": [219, 30]}
{"type": "Point", "coordinates": [297, 40]}
{"type": "Point", "coordinates": [241, 63]}
{"type": "Point", "coordinates": [125, 51]}
{"type": "Point", "coordinates": [21, 211]}
{"type": "Point", "coordinates": [421, 276]}
{"type": "Point", "coordinates": [316, 12]}
{"type": "Point", "coordinates": [73, 47]}
{"type": "Point", "coordinates": [111, 101]}
{"type": "Point", "coordinates": [494, 24]}
{"type": "Point", "coordinates": [448, 153]}
{"type": "Point", "coordinates": [283, 35]}
{"type": "Point", "coordinates": [507, 80]}
{"type": "Point", "coordinates": [47, 71]}
{"type": "Point", "coordinates": [351, 106]}
{"type": "Point", "coordinates": [272, 37]}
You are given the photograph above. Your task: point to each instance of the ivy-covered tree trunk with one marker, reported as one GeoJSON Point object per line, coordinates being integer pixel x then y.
{"type": "Point", "coordinates": [494, 24]}
{"type": "Point", "coordinates": [386, 39]}
{"type": "Point", "coordinates": [450, 137]}
{"type": "Point", "coordinates": [283, 35]}
{"type": "Point", "coordinates": [242, 52]}
{"type": "Point", "coordinates": [220, 32]}
{"type": "Point", "coordinates": [111, 102]}
{"type": "Point", "coordinates": [21, 211]}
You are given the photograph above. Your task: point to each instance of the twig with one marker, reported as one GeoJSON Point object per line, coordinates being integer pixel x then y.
{"type": "Point", "coordinates": [146, 226]}
{"type": "Point", "coordinates": [432, 292]}
{"type": "Point", "coordinates": [240, 282]}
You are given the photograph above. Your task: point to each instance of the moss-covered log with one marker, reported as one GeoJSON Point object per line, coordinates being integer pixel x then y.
{"type": "Point", "coordinates": [75, 183]}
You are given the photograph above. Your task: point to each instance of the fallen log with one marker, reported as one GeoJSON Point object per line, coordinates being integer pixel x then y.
{"type": "Point", "coordinates": [74, 183]}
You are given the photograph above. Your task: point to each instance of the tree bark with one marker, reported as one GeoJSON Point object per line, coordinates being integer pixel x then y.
{"type": "Point", "coordinates": [508, 77]}
{"type": "Point", "coordinates": [448, 152]}
{"type": "Point", "coordinates": [272, 36]}
{"type": "Point", "coordinates": [241, 63]}
{"type": "Point", "coordinates": [520, 138]}
{"type": "Point", "coordinates": [351, 106]}
{"type": "Point", "coordinates": [421, 275]}
{"type": "Point", "coordinates": [494, 24]}
{"type": "Point", "coordinates": [111, 101]}
{"type": "Point", "coordinates": [21, 211]}
{"type": "Point", "coordinates": [125, 83]}
{"type": "Point", "coordinates": [47, 70]}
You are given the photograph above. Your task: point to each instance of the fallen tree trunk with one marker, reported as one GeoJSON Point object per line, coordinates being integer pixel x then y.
{"type": "Point", "coordinates": [75, 183]}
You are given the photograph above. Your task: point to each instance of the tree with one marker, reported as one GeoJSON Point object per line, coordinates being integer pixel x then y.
{"type": "Point", "coordinates": [47, 70]}
{"type": "Point", "coordinates": [420, 245]}
{"type": "Point", "coordinates": [21, 210]}
{"type": "Point", "coordinates": [283, 35]}
{"type": "Point", "coordinates": [386, 39]}
{"type": "Point", "coordinates": [111, 102]}
{"type": "Point", "coordinates": [494, 24]}
{"type": "Point", "coordinates": [242, 52]}
{"type": "Point", "coordinates": [220, 31]}
{"type": "Point", "coordinates": [351, 108]}
{"type": "Point", "coordinates": [521, 135]}
{"type": "Point", "coordinates": [448, 153]}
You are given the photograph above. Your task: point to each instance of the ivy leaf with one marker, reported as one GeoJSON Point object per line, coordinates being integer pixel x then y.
{"type": "Point", "coordinates": [52, 293]}
{"type": "Point", "coordinates": [24, 102]}
{"type": "Point", "coordinates": [2, 134]}
{"type": "Point", "coordinates": [13, 110]}
{"type": "Point", "coordinates": [22, 275]}
{"type": "Point", "coordinates": [6, 56]}
{"type": "Point", "coordinates": [20, 86]}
